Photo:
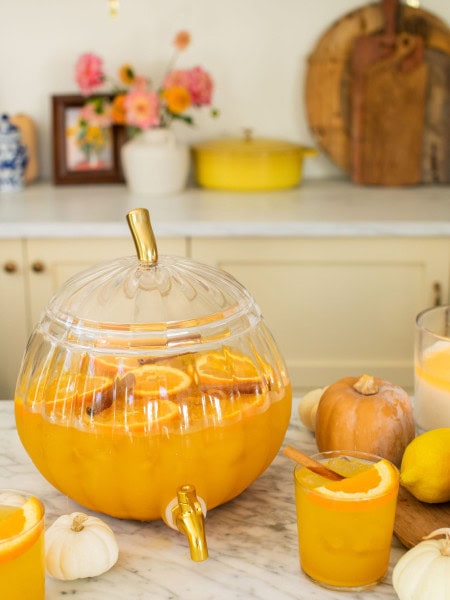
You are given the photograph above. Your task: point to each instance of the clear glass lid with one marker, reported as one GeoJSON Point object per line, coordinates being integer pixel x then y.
{"type": "Point", "coordinates": [161, 301]}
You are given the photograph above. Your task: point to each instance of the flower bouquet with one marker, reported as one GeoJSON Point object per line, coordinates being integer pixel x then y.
{"type": "Point", "coordinates": [137, 103]}
{"type": "Point", "coordinates": [154, 162]}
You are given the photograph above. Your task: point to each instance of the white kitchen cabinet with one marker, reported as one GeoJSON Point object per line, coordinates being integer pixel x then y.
{"type": "Point", "coordinates": [32, 270]}
{"type": "Point", "coordinates": [13, 313]}
{"type": "Point", "coordinates": [337, 306]}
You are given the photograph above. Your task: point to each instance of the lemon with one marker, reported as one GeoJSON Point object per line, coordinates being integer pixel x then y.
{"type": "Point", "coordinates": [425, 468]}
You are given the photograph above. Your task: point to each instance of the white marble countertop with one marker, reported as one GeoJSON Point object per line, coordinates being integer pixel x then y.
{"type": "Point", "coordinates": [252, 540]}
{"type": "Point", "coordinates": [317, 208]}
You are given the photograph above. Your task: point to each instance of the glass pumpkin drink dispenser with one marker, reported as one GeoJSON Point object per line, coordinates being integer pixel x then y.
{"type": "Point", "coordinates": [152, 388]}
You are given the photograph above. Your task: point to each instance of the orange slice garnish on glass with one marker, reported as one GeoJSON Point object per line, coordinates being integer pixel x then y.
{"type": "Point", "coordinates": [19, 527]}
{"type": "Point", "coordinates": [159, 381]}
{"type": "Point", "coordinates": [376, 481]}
{"type": "Point", "coordinates": [227, 369]}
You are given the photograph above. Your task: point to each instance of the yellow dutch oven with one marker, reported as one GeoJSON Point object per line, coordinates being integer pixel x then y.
{"type": "Point", "coordinates": [249, 164]}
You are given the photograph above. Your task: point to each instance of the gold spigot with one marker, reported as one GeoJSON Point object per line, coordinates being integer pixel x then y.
{"type": "Point", "coordinates": [188, 517]}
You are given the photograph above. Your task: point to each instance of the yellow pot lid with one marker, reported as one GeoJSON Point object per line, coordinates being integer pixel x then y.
{"type": "Point", "coordinates": [248, 145]}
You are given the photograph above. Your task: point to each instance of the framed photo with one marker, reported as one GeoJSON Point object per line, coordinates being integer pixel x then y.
{"type": "Point", "coordinates": [85, 150]}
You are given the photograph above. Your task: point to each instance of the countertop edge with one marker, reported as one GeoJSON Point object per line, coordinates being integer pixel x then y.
{"type": "Point", "coordinates": [316, 209]}
{"type": "Point", "coordinates": [191, 229]}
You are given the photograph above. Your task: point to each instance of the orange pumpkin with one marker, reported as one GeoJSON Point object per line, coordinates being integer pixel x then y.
{"type": "Point", "coordinates": [366, 414]}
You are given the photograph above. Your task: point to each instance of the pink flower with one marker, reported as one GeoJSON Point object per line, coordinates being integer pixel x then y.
{"type": "Point", "coordinates": [101, 118]}
{"type": "Point", "coordinates": [176, 78]}
{"type": "Point", "coordinates": [140, 82]}
{"type": "Point", "coordinates": [89, 72]}
{"type": "Point", "coordinates": [200, 86]}
{"type": "Point", "coordinates": [142, 108]}
{"type": "Point", "coordinates": [196, 81]}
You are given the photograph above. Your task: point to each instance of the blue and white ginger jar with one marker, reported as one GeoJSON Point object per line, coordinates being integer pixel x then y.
{"type": "Point", "coordinates": [13, 157]}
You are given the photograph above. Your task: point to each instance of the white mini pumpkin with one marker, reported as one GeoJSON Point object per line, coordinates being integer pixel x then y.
{"type": "Point", "coordinates": [307, 408]}
{"type": "Point", "coordinates": [79, 546]}
{"type": "Point", "coordinates": [423, 573]}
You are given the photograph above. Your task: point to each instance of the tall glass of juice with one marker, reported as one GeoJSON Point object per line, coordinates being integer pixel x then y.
{"type": "Point", "coordinates": [22, 561]}
{"type": "Point", "coordinates": [345, 527]}
{"type": "Point", "coordinates": [432, 368]}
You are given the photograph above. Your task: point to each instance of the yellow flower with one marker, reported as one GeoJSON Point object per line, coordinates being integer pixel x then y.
{"type": "Point", "coordinates": [126, 74]}
{"type": "Point", "coordinates": [94, 136]}
{"type": "Point", "coordinates": [177, 98]}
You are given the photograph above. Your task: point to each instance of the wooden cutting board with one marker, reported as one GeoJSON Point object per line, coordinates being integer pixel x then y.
{"type": "Point", "coordinates": [414, 519]}
{"type": "Point", "coordinates": [435, 147]}
{"type": "Point", "coordinates": [387, 100]}
{"type": "Point", "coordinates": [388, 149]}
{"type": "Point", "coordinates": [327, 82]}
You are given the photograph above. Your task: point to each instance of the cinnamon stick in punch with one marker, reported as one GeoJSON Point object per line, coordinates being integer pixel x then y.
{"type": "Point", "coordinates": [311, 464]}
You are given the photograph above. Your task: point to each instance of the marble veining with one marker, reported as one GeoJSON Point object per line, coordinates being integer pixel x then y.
{"type": "Point", "coordinates": [317, 208]}
{"type": "Point", "coordinates": [252, 540]}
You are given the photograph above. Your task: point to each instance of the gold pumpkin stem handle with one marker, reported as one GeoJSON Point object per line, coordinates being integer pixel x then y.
{"type": "Point", "coordinates": [144, 239]}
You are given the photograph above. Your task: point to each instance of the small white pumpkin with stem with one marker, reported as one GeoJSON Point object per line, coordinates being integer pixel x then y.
{"type": "Point", "coordinates": [423, 573]}
{"type": "Point", "coordinates": [79, 546]}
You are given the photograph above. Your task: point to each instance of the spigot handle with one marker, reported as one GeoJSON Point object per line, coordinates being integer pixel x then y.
{"type": "Point", "coordinates": [188, 517]}
{"type": "Point", "coordinates": [144, 239]}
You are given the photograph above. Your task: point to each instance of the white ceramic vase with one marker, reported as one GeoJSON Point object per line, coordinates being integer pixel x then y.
{"type": "Point", "coordinates": [155, 163]}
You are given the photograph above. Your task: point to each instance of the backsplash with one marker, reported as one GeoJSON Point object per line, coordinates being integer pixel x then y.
{"type": "Point", "coordinates": [256, 49]}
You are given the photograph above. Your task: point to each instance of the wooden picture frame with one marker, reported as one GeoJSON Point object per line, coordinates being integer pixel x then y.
{"type": "Point", "coordinates": [73, 162]}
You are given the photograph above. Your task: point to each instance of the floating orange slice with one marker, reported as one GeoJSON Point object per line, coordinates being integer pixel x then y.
{"type": "Point", "coordinates": [212, 409]}
{"type": "Point", "coordinates": [227, 368]}
{"type": "Point", "coordinates": [68, 390]}
{"type": "Point", "coordinates": [19, 528]}
{"type": "Point", "coordinates": [142, 415]}
{"type": "Point", "coordinates": [112, 365]}
{"type": "Point", "coordinates": [159, 381]}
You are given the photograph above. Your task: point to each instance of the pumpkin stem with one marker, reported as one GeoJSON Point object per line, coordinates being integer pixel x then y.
{"type": "Point", "coordinates": [366, 385]}
{"type": "Point", "coordinates": [445, 550]}
{"type": "Point", "coordinates": [77, 522]}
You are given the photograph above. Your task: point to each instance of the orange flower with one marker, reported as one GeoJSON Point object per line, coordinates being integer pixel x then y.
{"type": "Point", "coordinates": [118, 113]}
{"type": "Point", "coordinates": [182, 40]}
{"type": "Point", "coordinates": [126, 74]}
{"type": "Point", "coordinates": [177, 98]}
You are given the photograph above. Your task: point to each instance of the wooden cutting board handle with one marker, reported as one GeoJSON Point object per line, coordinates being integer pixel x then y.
{"type": "Point", "coordinates": [388, 104]}
{"type": "Point", "coordinates": [390, 12]}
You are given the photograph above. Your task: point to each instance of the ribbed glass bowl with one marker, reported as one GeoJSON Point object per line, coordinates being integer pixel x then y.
{"type": "Point", "coordinates": [144, 377]}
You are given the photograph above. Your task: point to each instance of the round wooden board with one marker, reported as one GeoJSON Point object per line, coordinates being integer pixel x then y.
{"type": "Point", "coordinates": [327, 95]}
{"type": "Point", "coordinates": [414, 519]}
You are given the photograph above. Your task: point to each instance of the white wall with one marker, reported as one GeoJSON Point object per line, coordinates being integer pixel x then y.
{"type": "Point", "coordinates": [256, 51]}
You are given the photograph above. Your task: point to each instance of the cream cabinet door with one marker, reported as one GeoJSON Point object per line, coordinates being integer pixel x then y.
{"type": "Point", "coordinates": [338, 307]}
{"type": "Point", "coordinates": [52, 261]}
{"type": "Point", "coordinates": [13, 316]}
